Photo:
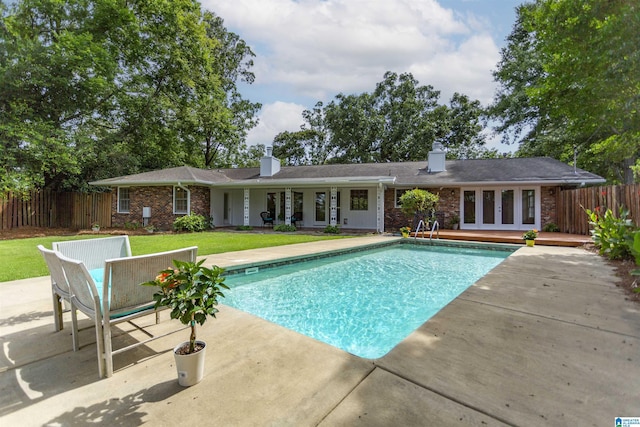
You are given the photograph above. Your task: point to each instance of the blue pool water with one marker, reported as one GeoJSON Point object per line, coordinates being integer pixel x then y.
{"type": "Point", "coordinates": [363, 302]}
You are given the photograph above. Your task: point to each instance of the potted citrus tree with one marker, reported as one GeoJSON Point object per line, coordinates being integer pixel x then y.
{"type": "Point", "coordinates": [191, 292]}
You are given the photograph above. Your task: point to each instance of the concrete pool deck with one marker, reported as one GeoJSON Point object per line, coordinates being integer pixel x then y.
{"type": "Point", "coordinates": [546, 338]}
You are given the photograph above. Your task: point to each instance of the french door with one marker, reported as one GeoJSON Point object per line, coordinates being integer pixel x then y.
{"type": "Point", "coordinates": [501, 208]}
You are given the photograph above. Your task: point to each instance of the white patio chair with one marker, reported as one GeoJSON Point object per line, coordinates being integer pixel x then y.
{"type": "Point", "coordinates": [59, 289]}
{"type": "Point", "coordinates": [120, 297]}
{"type": "Point", "coordinates": [94, 252]}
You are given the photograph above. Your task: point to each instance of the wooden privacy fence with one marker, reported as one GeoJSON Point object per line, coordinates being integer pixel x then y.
{"type": "Point", "coordinates": [55, 210]}
{"type": "Point", "coordinates": [571, 215]}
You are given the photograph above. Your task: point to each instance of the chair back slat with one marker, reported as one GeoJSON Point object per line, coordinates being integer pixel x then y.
{"type": "Point", "coordinates": [126, 274]}
{"type": "Point", "coordinates": [94, 252]}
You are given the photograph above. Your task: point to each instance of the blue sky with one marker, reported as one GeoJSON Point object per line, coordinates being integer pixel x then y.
{"type": "Point", "coordinates": [311, 50]}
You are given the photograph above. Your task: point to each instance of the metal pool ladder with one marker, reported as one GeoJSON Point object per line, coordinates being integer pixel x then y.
{"type": "Point", "coordinates": [421, 224]}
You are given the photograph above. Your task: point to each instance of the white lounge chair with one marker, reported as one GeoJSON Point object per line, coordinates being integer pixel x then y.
{"type": "Point", "coordinates": [120, 297]}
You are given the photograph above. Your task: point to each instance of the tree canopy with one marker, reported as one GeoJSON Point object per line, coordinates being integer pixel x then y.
{"type": "Point", "coordinates": [398, 121]}
{"type": "Point", "coordinates": [98, 88]}
{"type": "Point", "coordinates": [569, 84]}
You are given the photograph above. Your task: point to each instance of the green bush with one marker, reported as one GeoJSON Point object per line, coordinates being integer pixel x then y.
{"type": "Point", "coordinates": [244, 228]}
{"type": "Point", "coordinates": [612, 235]}
{"type": "Point", "coordinates": [133, 225]}
{"type": "Point", "coordinates": [332, 229]}
{"type": "Point", "coordinates": [284, 228]}
{"type": "Point", "coordinates": [418, 200]}
{"type": "Point", "coordinates": [551, 227]}
{"type": "Point", "coordinates": [192, 222]}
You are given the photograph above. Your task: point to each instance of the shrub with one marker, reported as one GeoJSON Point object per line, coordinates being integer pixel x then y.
{"type": "Point", "coordinates": [551, 227]}
{"type": "Point", "coordinates": [332, 229]}
{"type": "Point", "coordinates": [612, 235]}
{"type": "Point", "coordinates": [133, 225]}
{"type": "Point", "coordinates": [284, 228]}
{"type": "Point", "coordinates": [418, 201]}
{"type": "Point", "coordinates": [244, 228]}
{"type": "Point", "coordinates": [192, 222]}
{"type": "Point", "coordinates": [635, 250]}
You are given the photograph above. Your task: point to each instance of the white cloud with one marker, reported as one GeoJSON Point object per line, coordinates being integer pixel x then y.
{"type": "Point", "coordinates": [275, 118]}
{"type": "Point", "coordinates": [311, 50]}
{"type": "Point", "coordinates": [322, 48]}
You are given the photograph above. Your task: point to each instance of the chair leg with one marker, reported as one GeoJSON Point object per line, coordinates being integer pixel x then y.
{"type": "Point", "coordinates": [107, 349]}
{"type": "Point", "coordinates": [102, 372]}
{"type": "Point", "coordinates": [57, 312]}
{"type": "Point", "coordinates": [74, 328]}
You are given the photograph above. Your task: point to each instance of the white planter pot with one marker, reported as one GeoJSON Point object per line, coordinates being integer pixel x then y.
{"type": "Point", "coordinates": [190, 367]}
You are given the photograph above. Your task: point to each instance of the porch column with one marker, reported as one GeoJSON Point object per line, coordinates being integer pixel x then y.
{"type": "Point", "coordinates": [380, 209]}
{"type": "Point", "coordinates": [287, 206]}
{"type": "Point", "coordinates": [333, 207]}
{"type": "Point", "coordinates": [246, 207]}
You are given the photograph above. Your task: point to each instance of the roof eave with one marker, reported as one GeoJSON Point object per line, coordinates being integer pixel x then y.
{"type": "Point", "coordinates": [302, 182]}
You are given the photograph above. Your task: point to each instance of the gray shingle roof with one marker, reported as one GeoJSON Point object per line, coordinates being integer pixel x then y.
{"type": "Point", "coordinates": [539, 170]}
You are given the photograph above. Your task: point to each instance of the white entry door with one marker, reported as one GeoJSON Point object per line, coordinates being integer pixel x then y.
{"type": "Point", "coordinates": [501, 208]}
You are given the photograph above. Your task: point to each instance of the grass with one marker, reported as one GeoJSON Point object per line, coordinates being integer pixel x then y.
{"type": "Point", "coordinates": [23, 260]}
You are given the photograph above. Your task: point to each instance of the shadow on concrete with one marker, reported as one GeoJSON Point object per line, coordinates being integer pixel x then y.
{"type": "Point", "coordinates": [125, 411]}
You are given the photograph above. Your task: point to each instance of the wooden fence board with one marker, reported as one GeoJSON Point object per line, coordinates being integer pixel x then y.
{"type": "Point", "coordinates": [571, 215]}
{"type": "Point", "coordinates": [55, 210]}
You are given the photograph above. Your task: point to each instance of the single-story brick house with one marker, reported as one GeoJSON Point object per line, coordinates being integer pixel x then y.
{"type": "Point", "coordinates": [490, 194]}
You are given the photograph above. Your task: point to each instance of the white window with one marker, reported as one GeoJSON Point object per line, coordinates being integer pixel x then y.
{"type": "Point", "coordinates": [181, 200]}
{"type": "Point", "coordinates": [359, 200]}
{"type": "Point", "coordinates": [123, 200]}
{"type": "Point", "coordinates": [399, 193]}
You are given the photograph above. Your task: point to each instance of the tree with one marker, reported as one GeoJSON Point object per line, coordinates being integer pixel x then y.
{"type": "Point", "coordinates": [519, 68]}
{"type": "Point", "coordinates": [216, 119]}
{"type": "Point", "coordinates": [290, 147]}
{"type": "Point", "coordinates": [309, 145]}
{"type": "Point", "coordinates": [462, 127]}
{"type": "Point", "coordinates": [570, 76]}
{"type": "Point", "coordinates": [407, 111]}
{"type": "Point", "coordinates": [97, 88]}
{"type": "Point", "coordinates": [355, 126]}
{"type": "Point", "coordinates": [399, 121]}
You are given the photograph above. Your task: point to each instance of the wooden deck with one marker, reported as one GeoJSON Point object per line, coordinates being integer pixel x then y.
{"type": "Point", "coordinates": [547, 239]}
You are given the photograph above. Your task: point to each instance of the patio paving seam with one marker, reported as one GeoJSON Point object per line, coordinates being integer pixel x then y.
{"type": "Point", "coordinates": [346, 396]}
{"type": "Point", "coordinates": [447, 396]}
{"type": "Point", "coordinates": [549, 318]}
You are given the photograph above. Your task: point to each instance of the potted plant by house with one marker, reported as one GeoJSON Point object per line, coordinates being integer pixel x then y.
{"type": "Point", "coordinates": [191, 292]}
{"type": "Point", "coordinates": [405, 231]}
{"type": "Point", "coordinates": [455, 222]}
{"type": "Point", "coordinates": [95, 227]}
{"type": "Point", "coordinates": [530, 237]}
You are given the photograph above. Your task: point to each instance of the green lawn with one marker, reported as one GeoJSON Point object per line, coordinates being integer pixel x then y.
{"type": "Point", "coordinates": [23, 260]}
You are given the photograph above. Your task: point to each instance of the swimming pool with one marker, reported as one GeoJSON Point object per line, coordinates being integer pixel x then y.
{"type": "Point", "coordinates": [364, 302]}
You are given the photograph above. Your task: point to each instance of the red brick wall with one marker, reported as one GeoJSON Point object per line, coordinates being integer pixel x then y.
{"type": "Point", "coordinates": [549, 205]}
{"type": "Point", "coordinates": [448, 204]}
{"type": "Point", "coordinates": [160, 199]}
